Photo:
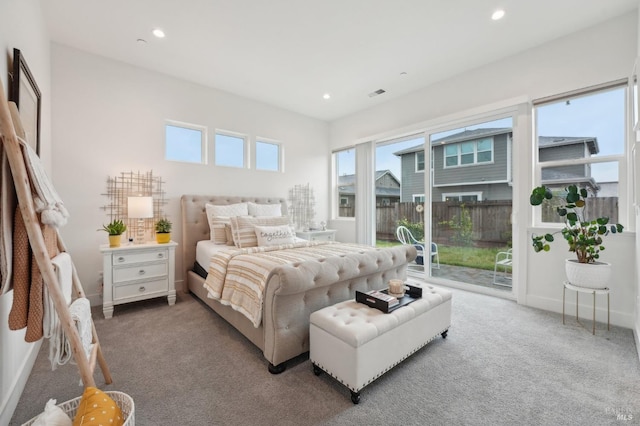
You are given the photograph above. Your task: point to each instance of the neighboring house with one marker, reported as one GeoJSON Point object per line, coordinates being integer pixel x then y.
{"type": "Point", "coordinates": [475, 165]}
{"type": "Point", "coordinates": [387, 189]}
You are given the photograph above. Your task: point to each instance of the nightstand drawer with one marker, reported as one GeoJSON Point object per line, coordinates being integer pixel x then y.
{"type": "Point", "coordinates": [141, 290]}
{"type": "Point", "coordinates": [145, 256]}
{"type": "Point", "coordinates": [139, 272]}
{"type": "Point", "coordinates": [325, 237]}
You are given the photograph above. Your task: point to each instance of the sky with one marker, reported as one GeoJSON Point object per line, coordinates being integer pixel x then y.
{"type": "Point", "coordinates": [600, 115]}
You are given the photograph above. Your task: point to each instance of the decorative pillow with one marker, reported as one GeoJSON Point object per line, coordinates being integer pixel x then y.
{"type": "Point", "coordinates": [52, 416]}
{"type": "Point", "coordinates": [229, 233]}
{"type": "Point", "coordinates": [97, 408]}
{"type": "Point", "coordinates": [274, 235]}
{"type": "Point", "coordinates": [260, 210]}
{"type": "Point", "coordinates": [219, 215]}
{"type": "Point", "coordinates": [243, 231]}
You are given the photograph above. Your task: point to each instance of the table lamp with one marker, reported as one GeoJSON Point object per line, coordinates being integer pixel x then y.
{"type": "Point", "coordinates": [140, 208]}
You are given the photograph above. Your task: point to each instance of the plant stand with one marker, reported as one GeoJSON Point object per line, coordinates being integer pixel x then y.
{"type": "Point", "coordinates": [593, 291]}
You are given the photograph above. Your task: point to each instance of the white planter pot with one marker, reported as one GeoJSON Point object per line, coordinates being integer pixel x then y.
{"type": "Point", "coordinates": [589, 275]}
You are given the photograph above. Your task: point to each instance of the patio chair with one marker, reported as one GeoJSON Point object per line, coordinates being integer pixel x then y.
{"type": "Point", "coordinates": [504, 261]}
{"type": "Point", "coordinates": [406, 237]}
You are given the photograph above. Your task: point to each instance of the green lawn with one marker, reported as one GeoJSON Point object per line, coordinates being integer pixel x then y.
{"type": "Point", "coordinates": [472, 257]}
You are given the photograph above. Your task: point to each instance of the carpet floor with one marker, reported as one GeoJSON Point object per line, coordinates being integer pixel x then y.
{"type": "Point", "coordinates": [501, 364]}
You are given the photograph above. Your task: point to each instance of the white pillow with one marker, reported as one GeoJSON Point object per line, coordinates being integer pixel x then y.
{"type": "Point", "coordinates": [260, 210]}
{"type": "Point", "coordinates": [52, 416]}
{"type": "Point", "coordinates": [244, 234]}
{"type": "Point", "coordinates": [274, 235]}
{"type": "Point", "coordinates": [219, 215]}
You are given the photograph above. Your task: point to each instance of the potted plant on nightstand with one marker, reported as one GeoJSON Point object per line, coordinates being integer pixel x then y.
{"type": "Point", "coordinates": [115, 229]}
{"type": "Point", "coordinates": [584, 236]}
{"type": "Point", "coordinates": [163, 231]}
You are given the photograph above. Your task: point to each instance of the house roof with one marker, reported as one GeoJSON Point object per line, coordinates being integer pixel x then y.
{"type": "Point", "coordinates": [553, 141]}
{"type": "Point", "coordinates": [350, 179]}
{"type": "Point", "coordinates": [459, 137]}
{"type": "Point", "coordinates": [346, 185]}
{"type": "Point", "coordinates": [543, 141]}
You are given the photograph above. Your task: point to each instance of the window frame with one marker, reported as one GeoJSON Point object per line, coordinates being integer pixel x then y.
{"type": "Point", "coordinates": [245, 148]}
{"type": "Point", "coordinates": [621, 159]}
{"type": "Point", "coordinates": [336, 199]}
{"type": "Point", "coordinates": [268, 141]}
{"type": "Point", "coordinates": [477, 194]}
{"type": "Point", "coordinates": [417, 163]}
{"type": "Point", "coordinates": [189, 126]}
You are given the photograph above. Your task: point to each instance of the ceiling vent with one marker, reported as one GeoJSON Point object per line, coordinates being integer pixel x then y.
{"type": "Point", "coordinates": [376, 93]}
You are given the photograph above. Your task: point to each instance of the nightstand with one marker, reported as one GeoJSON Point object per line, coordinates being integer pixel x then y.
{"type": "Point", "coordinates": [326, 235]}
{"type": "Point", "coordinates": [135, 272]}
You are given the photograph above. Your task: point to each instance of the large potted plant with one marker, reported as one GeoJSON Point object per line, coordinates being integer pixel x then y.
{"type": "Point", "coordinates": [115, 229]}
{"type": "Point", "coordinates": [163, 231]}
{"type": "Point", "coordinates": [584, 236]}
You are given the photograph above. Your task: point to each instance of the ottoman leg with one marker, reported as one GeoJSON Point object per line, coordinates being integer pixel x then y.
{"type": "Point", "coordinates": [355, 397]}
{"type": "Point", "coordinates": [317, 370]}
{"type": "Point", "coordinates": [444, 333]}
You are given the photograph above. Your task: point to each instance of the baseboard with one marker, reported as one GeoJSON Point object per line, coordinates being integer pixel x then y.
{"type": "Point", "coordinates": [10, 402]}
{"type": "Point", "coordinates": [618, 318]}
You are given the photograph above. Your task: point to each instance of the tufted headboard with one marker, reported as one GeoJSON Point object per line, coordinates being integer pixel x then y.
{"type": "Point", "coordinates": [194, 219]}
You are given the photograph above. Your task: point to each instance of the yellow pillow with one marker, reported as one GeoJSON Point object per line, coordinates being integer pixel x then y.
{"type": "Point", "coordinates": [97, 408]}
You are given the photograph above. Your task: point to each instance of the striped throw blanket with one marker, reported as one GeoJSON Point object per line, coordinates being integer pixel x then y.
{"type": "Point", "coordinates": [238, 277]}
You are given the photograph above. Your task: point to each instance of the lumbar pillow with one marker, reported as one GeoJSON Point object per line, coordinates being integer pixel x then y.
{"type": "Point", "coordinates": [244, 234]}
{"type": "Point", "coordinates": [260, 210]}
{"type": "Point", "coordinates": [52, 416]}
{"type": "Point", "coordinates": [274, 235]}
{"type": "Point", "coordinates": [220, 215]}
{"type": "Point", "coordinates": [97, 408]}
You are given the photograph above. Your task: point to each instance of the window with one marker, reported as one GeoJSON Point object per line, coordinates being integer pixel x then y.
{"type": "Point", "coordinates": [581, 141]}
{"type": "Point", "coordinates": [418, 198]}
{"type": "Point", "coordinates": [462, 196]}
{"type": "Point", "coordinates": [345, 169]}
{"type": "Point", "coordinates": [230, 149]}
{"type": "Point", "coordinates": [268, 156]}
{"type": "Point", "coordinates": [185, 142]}
{"type": "Point", "coordinates": [420, 161]}
{"type": "Point", "coordinates": [468, 153]}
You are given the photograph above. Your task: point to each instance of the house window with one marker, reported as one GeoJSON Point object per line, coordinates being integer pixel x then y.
{"type": "Point", "coordinates": [345, 181]}
{"type": "Point", "coordinates": [468, 153]}
{"type": "Point", "coordinates": [418, 198]}
{"type": "Point", "coordinates": [462, 196]}
{"type": "Point", "coordinates": [268, 156]}
{"type": "Point", "coordinates": [230, 149]}
{"type": "Point", "coordinates": [420, 161]}
{"type": "Point", "coordinates": [386, 202]}
{"type": "Point", "coordinates": [185, 142]}
{"type": "Point", "coordinates": [581, 141]}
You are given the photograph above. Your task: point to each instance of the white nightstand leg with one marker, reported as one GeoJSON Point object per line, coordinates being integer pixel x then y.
{"type": "Point", "coordinates": [171, 297]}
{"type": "Point", "coordinates": [107, 310]}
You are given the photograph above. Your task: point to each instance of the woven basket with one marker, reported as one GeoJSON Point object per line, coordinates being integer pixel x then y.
{"type": "Point", "coordinates": [124, 401]}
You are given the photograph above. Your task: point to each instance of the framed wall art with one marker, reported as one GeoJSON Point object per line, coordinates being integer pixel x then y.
{"type": "Point", "coordinates": [25, 93]}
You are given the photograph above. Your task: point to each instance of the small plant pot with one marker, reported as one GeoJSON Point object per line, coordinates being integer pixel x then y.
{"type": "Point", "coordinates": [163, 238]}
{"type": "Point", "coordinates": [589, 275]}
{"type": "Point", "coordinates": [114, 240]}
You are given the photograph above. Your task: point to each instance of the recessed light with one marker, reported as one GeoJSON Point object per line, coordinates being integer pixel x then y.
{"type": "Point", "coordinates": [326, 96]}
{"type": "Point", "coordinates": [403, 73]}
{"type": "Point", "coordinates": [158, 33]}
{"type": "Point", "coordinates": [498, 14]}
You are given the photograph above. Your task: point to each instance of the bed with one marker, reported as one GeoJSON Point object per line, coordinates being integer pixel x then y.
{"type": "Point", "coordinates": [292, 291]}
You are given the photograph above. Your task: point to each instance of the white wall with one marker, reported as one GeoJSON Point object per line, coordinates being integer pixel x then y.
{"type": "Point", "coordinates": [108, 117]}
{"type": "Point", "coordinates": [599, 54]}
{"type": "Point", "coordinates": [23, 28]}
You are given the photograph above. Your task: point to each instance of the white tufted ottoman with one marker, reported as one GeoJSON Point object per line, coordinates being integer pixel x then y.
{"type": "Point", "coordinates": [356, 344]}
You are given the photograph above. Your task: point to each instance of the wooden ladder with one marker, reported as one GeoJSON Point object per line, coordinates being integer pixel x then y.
{"type": "Point", "coordinates": [10, 124]}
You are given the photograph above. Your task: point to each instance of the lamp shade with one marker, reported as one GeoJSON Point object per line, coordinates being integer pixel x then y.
{"type": "Point", "coordinates": [140, 207]}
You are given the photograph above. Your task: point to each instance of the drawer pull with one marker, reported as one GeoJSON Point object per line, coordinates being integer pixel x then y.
{"type": "Point", "coordinates": [141, 272]}
{"type": "Point", "coordinates": [160, 255]}
{"type": "Point", "coordinates": [121, 259]}
{"type": "Point", "coordinates": [142, 289]}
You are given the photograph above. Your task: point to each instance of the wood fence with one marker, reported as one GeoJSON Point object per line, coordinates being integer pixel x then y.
{"type": "Point", "coordinates": [490, 220]}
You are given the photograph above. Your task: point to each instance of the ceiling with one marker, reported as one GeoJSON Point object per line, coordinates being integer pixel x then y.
{"type": "Point", "coordinates": [288, 53]}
